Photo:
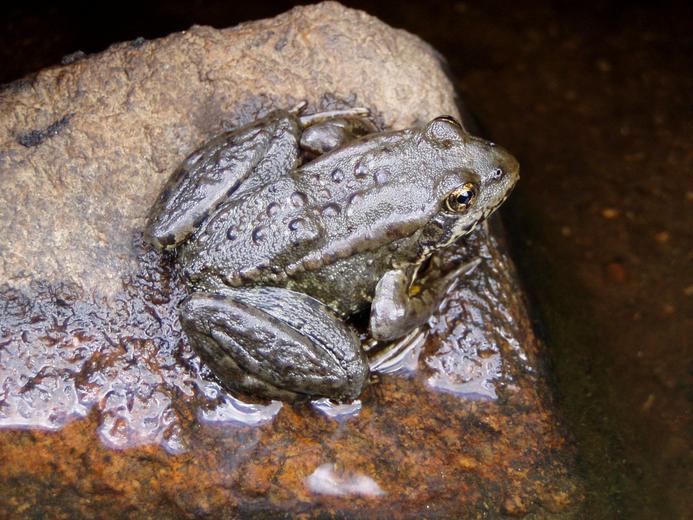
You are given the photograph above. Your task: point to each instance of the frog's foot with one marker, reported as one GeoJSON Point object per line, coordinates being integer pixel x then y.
{"type": "Point", "coordinates": [325, 131]}
{"type": "Point", "coordinates": [395, 311]}
{"type": "Point", "coordinates": [275, 343]}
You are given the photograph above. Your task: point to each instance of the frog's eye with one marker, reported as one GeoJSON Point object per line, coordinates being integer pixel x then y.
{"type": "Point", "coordinates": [459, 200]}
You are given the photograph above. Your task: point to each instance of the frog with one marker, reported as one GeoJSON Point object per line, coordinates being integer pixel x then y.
{"type": "Point", "coordinates": [287, 227]}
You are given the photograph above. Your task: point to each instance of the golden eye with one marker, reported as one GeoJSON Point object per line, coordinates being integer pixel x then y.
{"type": "Point", "coordinates": [460, 199]}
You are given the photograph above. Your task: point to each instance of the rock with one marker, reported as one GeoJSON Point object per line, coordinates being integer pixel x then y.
{"type": "Point", "coordinates": [116, 410]}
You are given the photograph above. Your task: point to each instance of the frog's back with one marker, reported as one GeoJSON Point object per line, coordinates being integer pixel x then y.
{"type": "Point", "coordinates": [323, 228]}
{"type": "Point", "coordinates": [250, 237]}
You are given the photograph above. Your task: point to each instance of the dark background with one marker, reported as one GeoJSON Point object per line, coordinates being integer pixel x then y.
{"type": "Point", "coordinates": [597, 103]}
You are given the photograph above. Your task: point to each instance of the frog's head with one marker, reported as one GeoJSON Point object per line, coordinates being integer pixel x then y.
{"type": "Point", "coordinates": [475, 178]}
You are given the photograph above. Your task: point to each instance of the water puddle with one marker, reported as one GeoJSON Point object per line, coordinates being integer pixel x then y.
{"type": "Point", "coordinates": [338, 411]}
{"type": "Point", "coordinates": [235, 411]}
{"type": "Point", "coordinates": [327, 479]}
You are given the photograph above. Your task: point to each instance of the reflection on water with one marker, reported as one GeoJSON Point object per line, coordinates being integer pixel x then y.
{"type": "Point", "coordinates": [126, 422]}
{"type": "Point", "coordinates": [65, 353]}
{"type": "Point", "coordinates": [232, 410]}
{"type": "Point", "coordinates": [339, 411]}
{"type": "Point", "coordinates": [474, 377]}
{"type": "Point", "coordinates": [402, 357]}
{"type": "Point", "coordinates": [328, 480]}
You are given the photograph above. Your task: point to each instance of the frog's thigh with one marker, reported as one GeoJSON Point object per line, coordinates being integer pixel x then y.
{"type": "Point", "coordinates": [216, 171]}
{"type": "Point", "coordinates": [275, 343]}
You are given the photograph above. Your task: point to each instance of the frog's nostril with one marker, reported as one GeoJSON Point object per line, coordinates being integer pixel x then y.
{"type": "Point", "coordinates": [497, 174]}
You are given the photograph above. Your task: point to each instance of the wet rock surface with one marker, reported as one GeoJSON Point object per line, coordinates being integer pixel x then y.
{"type": "Point", "coordinates": [104, 407]}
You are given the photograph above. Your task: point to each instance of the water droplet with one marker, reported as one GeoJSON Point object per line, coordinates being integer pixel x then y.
{"type": "Point", "coordinates": [259, 234]}
{"type": "Point", "coordinates": [327, 479]}
{"type": "Point", "coordinates": [355, 198]}
{"type": "Point", "coordinates": [381, 176]}
{"type": "Point", "coordinates": [352, 203]}
{"type": "Point", "coordinates": [339, 411]}
{"type": "Point", "coordinates": [338, 176]}
{"type": "Point", "coordinates": [232, 233]}
{"type": "Point", "coordinates": [231, 410]}
{"type": "Point", "coordinates": [272, 208]}
{"type": "Point", "coordinates": [298, 199]}
{"type": "Point", "coordinates": [296, 224]}
{"type": "Point", "coordinates": [360, 170]}
{"type": "Point", "coordinates": [330, 210]}
{"type": "Point", "coordinates": [193, 159]}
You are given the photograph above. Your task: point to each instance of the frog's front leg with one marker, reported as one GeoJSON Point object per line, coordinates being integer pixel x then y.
{"type": "Point", "coordinates": [395, 311]}
{"type": "Point", "coordinates": [275, 343]}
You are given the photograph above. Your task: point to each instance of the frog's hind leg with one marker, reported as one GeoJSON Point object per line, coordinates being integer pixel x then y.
{"type": "Point", "coordinates": [395, 311]}
{"type": "Point", "coordinates": [220, 169]}
{"type": "Point", "coordinates": [275, 343]}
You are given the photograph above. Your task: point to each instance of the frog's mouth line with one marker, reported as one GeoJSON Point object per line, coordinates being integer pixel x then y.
{"type": "Point", "coordinates": [490, 211]}
{"type": "Point", "coordinates": [502, 201]}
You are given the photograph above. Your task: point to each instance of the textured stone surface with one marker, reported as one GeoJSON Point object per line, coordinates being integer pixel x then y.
{"type": "Point", "coordinates": [90, 344]}
{"type": "Point", "coordinates": [87, 146]}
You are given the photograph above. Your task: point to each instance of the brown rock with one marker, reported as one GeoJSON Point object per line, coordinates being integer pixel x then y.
{"type": "Point", "coordinates": [90, 344]}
